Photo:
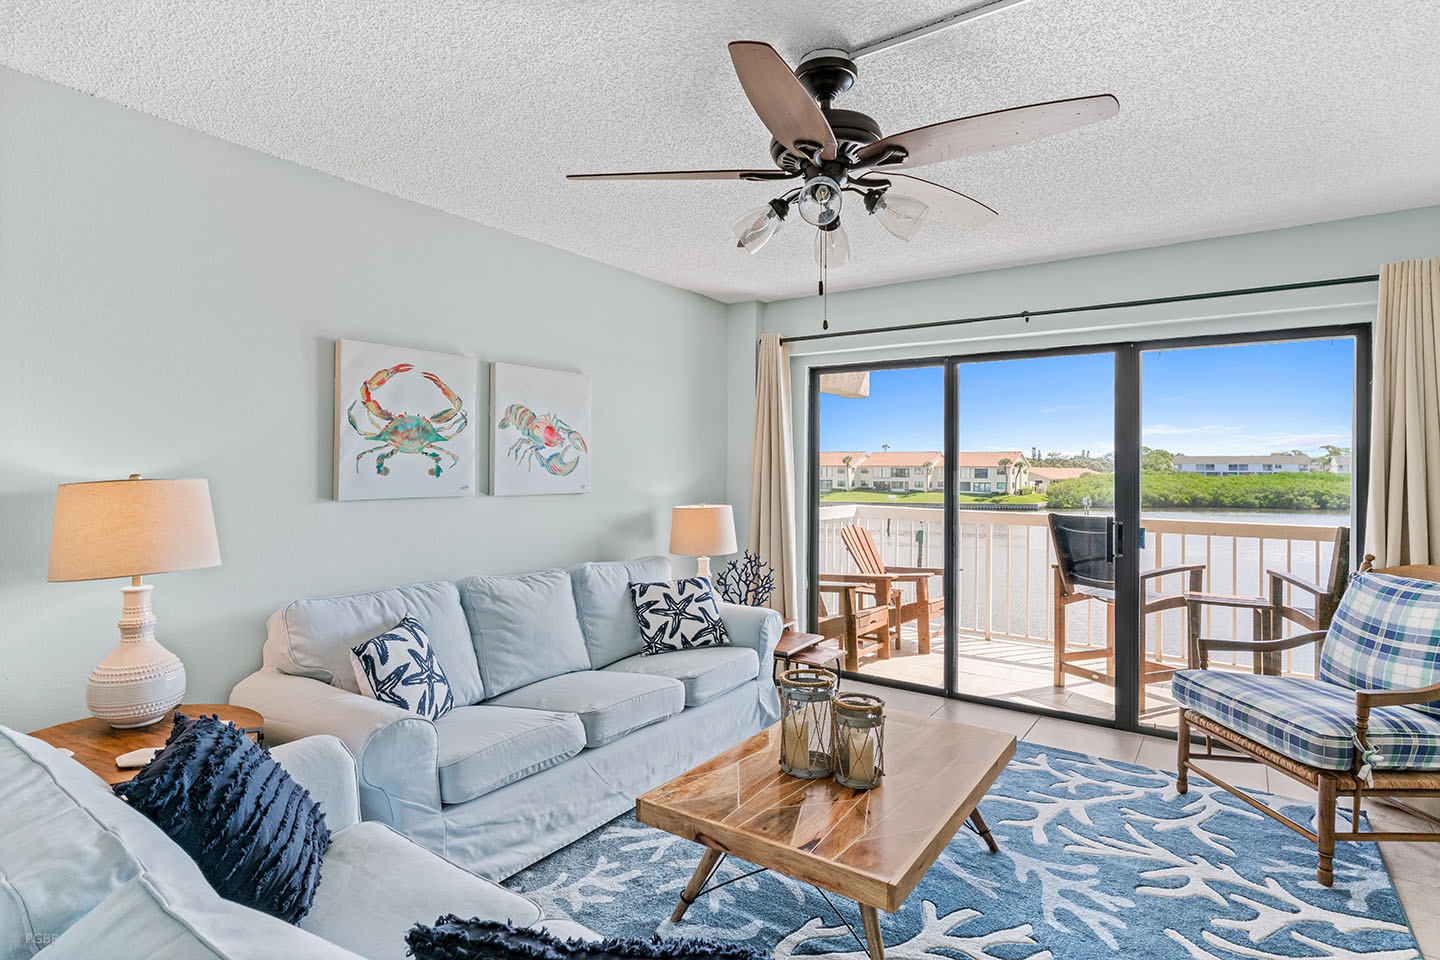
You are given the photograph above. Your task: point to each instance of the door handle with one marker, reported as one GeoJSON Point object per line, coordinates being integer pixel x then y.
{"type": "Point", "coordinates": [1117, 548]}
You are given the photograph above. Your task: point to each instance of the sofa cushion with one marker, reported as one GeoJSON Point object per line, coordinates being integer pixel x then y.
{"type": "Point", "coordinates": [677, 615]}
{"type": "Point", "coordinates": [399, 667]}
{"type": "Point", "coordinates": [482, 748]}
{"type": "Point", "coordinates": [153, 916]}
{"type": "Point", "coordinates": [706, 672]}
{"type": "Point", "coordinates": [378, 885]}
{"type": "Point", "coordinates": [607, 614]}
{"type": "Point", "coordinates": [1385, 635]}
{"type": "Point", "coordinates": [1311, 721]}
{"type": "Point", "coordinates": [256, 834]}
{"type": "Point", "coordinates": [523, 628]}
{"type": "Point", "coordinates": [66, 843]}
{"type": "Point", "coordinates": [312, 638]}
{"type": "Point", "coordinates": [610, 704]}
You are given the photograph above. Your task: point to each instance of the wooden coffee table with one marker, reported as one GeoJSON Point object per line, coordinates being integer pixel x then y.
{"type": "Point", "coordinates": [871, 846]}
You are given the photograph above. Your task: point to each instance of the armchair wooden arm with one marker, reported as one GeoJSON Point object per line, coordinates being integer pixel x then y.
{"type": "Point", "coordinates": [1367, 699]}
{"type": "Point", "coordinates": [1261, 646]}
{"type": "Point", "coordinates": [871, 583]}
{"type": "Point", "coordinates": [926, 571]}
{"type": "Point", "coordinates": [1195, 570]}
{"type": "Point", "coordinates": [1262, 650]}
{"type": "Point", "coordinates": [1283, 576]}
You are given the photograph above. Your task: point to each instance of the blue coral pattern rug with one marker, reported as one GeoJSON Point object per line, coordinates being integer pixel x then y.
{"type": "Point", "coordinates": [1097, 859]}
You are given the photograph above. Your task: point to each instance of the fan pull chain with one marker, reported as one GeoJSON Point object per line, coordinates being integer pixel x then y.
{"type": "Point", "coordinates": [824, 296]}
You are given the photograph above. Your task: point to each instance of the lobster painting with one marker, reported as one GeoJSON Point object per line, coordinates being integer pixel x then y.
{"type": "Point", "coordinates": [408, 432]}
{"type": "Point", "coordinates": [544, 440]}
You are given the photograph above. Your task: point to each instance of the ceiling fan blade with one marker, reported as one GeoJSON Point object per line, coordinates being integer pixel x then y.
{"type": "Point", "coordinates": [989, 131]}
{"type": "Point", "coordinates": [946, 205]}
{"type": "Point", "coordinates": [784, 105]}
{"type": "Point", "coordinates": [688, 175]}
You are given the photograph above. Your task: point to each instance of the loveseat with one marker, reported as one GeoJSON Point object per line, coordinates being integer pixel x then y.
{"type": "Point", "coordinates": [560, 722]}
{"type": "Point", "coordinates": [84, 875]}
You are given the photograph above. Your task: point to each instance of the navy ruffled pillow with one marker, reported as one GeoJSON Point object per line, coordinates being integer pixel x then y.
{"type": "Point", "coordinates": [454, 939]}
{"type": "Point", "coordinates": [255, 833]}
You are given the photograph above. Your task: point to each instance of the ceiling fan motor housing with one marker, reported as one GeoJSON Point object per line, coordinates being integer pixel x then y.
{"type": "Point", "coordinates": [825, 74]}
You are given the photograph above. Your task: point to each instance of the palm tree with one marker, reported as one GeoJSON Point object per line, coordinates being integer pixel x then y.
{"type": "Point", "coordinates": [885, 447]}
{"type": "Point", "coordinates": [926, 467]}
{"type": "Point", "coordinates": [1005, 472]}
{"type": "Point", "coordinates": [846, 460]}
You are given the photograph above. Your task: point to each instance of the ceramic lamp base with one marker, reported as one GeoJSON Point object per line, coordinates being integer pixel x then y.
{"type": "Point", "coordinates": [140, 682]}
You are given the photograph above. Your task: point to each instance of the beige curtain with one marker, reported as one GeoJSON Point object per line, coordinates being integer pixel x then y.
{"type": "Point", "coordinates": [772, 473]}
{"type": "Point", "coordinates": [1403, 517]}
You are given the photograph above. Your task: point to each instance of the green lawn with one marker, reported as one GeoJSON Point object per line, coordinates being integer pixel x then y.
{"type": "Point", "coordinates": [935, 496]}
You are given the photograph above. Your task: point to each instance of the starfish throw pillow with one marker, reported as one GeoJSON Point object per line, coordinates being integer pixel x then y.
{"type": "Point", "coordinates": [399, 667]}
{"type": "Point", "coordinates": [677, 615]}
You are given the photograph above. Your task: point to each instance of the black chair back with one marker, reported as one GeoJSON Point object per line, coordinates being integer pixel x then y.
{"type": "Point", "coordinates": [1085, 549]}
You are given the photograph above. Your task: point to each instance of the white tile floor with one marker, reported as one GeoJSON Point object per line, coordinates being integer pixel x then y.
{"type": "Point", "coordinates": [1414, 867]}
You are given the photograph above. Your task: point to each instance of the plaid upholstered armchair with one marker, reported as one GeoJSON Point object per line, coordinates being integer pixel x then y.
{"type": "Point", "coordinates": [1367, 726]}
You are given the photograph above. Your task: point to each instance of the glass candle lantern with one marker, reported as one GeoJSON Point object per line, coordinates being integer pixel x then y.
{"type": "Point", "coordinates": [805, 722]}
{"type": "Point", "coordinates": [858, 747]}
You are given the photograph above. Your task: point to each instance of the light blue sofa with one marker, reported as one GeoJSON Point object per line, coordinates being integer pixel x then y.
{"type": "Point", "coordinates": [560, 723]}
{"type": "Point", "coordinates": [83, 875]}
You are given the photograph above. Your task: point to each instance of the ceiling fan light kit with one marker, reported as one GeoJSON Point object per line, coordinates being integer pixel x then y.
{"type": "Point", "coordinates": [833, 151]}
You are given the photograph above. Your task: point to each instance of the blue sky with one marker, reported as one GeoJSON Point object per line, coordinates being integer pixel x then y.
{"type": "Point", "coordinates": [1247, 399]}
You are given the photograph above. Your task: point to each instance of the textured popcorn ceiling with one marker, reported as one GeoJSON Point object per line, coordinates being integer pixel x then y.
{"type": "Point", "coordinates": [1235, 115]}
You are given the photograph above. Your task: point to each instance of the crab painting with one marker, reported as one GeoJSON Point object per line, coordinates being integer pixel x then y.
{"type": "Point", "coordinates": [408, 432]}
{"type": "Point", "coordinates": [544, 440]}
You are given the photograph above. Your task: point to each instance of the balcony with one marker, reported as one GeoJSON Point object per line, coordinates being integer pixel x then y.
{"type": "Point", "coordinates": [1004, 615]}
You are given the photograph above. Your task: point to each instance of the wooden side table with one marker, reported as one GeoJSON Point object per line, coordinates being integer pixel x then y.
{"type": "Point", "coordinates": [805, 649]}
{"type": "Point", "coordinates": [96, 744]}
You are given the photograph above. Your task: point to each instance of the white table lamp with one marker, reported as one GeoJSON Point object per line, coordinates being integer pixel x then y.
{"type": "Point", "coordinates": [702, 531]}
{"type": "Point", "coordinates": [130, 528]}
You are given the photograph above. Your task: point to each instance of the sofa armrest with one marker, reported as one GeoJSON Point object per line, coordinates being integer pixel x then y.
{"type": "Point", "coordinates": [758, 628]}
{"type": "Point", "coordinates": [323, 766]}
{"type": "Point", "coordinates": [396, 753]}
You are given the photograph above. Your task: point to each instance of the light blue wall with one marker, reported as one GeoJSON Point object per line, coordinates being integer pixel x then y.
{"type": "Point", "coordinates": [169, 304]}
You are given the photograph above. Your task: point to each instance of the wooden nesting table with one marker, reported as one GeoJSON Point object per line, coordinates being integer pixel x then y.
{"type": "Point", "coordinates": [871, 846]}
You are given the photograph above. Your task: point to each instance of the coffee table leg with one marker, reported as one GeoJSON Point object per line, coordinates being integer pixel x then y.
{"type": "Point", "coordinates": [697, 883]}
{"type": "Point", "coordinates": [984, 831]}
{"type": "Point", "coordinates": [874, 943]}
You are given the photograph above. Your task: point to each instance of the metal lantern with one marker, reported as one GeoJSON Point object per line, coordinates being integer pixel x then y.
{"type": "Point", "coordinates": [805, 722]}
{"type": "Point", "coordinates": [858, 753]}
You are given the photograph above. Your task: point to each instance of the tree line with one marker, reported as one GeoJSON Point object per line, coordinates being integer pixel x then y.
{"type": "Point", "coordinates": [1170, 490]}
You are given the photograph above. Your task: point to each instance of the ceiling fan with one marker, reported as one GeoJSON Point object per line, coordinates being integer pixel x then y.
{"type": "Point", "coordinates": [837, 151]}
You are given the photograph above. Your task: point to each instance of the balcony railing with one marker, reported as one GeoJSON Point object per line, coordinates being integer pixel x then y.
{"type": "Point", "coordinates": [1007, 565]}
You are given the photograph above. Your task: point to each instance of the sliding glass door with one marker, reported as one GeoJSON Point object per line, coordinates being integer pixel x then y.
{"type": "Point", "coordinates": [1034, 471]}
{"type": "Point", "coordinates": [879, 514]}
{"type": "Point", "coordinates": [1053, 531]}
{"type": "Point", "coordinates": [1246, 489]}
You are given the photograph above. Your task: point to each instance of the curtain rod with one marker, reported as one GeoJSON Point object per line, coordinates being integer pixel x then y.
{"type": "Point", "coordinates": [1119, 304]}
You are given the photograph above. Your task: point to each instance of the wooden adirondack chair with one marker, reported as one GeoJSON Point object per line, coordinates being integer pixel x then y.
{"type": "Point", "coordinates": [921, 608]}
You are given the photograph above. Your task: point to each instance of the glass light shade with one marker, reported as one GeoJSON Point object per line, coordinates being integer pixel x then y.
{"type": "Point", "coordinates": [832, 247]}
{"type": "Point", "coordinates": [819, 201]}
{"type": "Point", "coordinates": [756, 228]}
{"type": "Point", "coordinates": [899, 214]}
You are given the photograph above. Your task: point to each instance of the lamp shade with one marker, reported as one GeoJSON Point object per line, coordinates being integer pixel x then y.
{"type": "Point", "coordinates": [703, 530]}
{"type": "Point", "coordinates": [130, 528]}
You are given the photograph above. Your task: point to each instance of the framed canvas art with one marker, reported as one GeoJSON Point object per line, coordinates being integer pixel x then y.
{"type": "Point", "coordinates": [402, 422]}
{"type": "Point", "coordinates": [540, 431]}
